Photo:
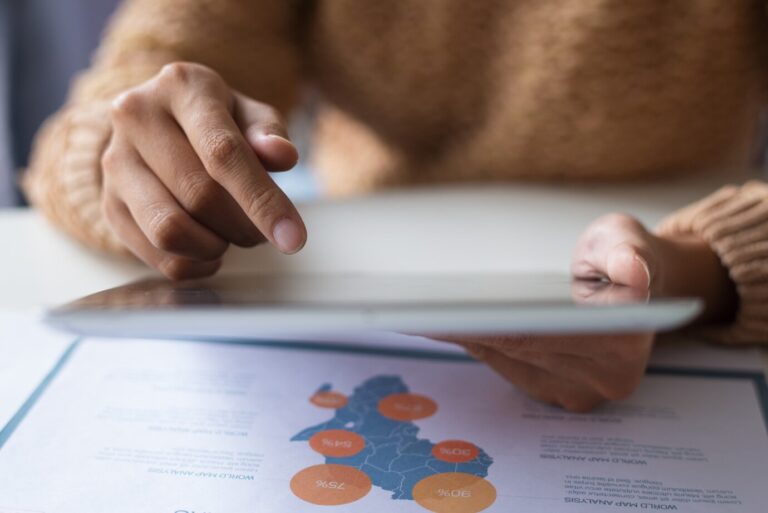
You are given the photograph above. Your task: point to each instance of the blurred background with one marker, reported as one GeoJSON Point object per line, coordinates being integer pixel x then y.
{"type": "Point", "coordinates": [43, 44]}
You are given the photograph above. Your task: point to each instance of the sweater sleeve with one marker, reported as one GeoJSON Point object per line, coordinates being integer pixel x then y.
{"type": "Point", "coordinates": [252, 44]}
{"type": "Point", "coordinates": [734, 221]}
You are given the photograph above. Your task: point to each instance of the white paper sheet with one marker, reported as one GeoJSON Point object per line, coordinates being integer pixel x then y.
{"type": "Point", "coordinates": [28, 352]}
{"type": "Point", "coordinates": [685, 352]}
{"type": "Point", "coordinates": [148, 427]}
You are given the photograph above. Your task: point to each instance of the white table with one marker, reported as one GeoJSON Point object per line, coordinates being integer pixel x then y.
{"type": "Point", "coordinates": [443, 230]}
{"type": "Point", "coordinates": [486, 229]}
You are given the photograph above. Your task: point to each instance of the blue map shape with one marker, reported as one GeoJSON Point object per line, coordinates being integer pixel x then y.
{"type": "Point", "coordinates": [394, 457]}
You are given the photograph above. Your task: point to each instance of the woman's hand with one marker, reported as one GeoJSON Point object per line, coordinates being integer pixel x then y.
{"type": "Point", "coordinates": [185, 173]}
{"type": "Point", "coordinates": [579, 372]}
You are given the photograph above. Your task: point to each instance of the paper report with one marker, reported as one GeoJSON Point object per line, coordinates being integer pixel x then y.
{"type": "Point", "coordinates": [180, 427]}
{"type": "Point", "coordinates": [28, 352]}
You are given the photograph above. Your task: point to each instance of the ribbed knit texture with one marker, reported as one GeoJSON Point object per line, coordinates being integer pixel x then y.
{"type": "Point", "coordinates": [734, 221]}
{"type": "Point", "coordinates": [419, 91]}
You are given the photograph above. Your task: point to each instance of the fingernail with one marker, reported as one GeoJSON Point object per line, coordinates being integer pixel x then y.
{"type": "Point", "coordinates": [645, 268]}
{"type": "Point", "coordinates": [288, 236]}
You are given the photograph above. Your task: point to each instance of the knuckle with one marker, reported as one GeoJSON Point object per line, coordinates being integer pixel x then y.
{"type": "Point", "coordinates": [109, 160]}
{"type": "Point", "coordinates": [178, 72]}
{"type": "Point", "coordinates": [223, 150]}
{"type": "Point", "coordinates": [127, 106]}
{"type": "Point", "coordinates": [167, 231]}
{"type": "Point", "coordinates": [264, 203]}
{"type": "Point", "coordinates": [199, 193]}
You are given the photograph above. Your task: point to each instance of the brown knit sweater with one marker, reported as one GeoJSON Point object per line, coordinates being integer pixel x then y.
{"type": "Point", "coordinates": [417, 91]}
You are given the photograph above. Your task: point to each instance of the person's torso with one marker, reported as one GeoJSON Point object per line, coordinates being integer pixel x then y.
{"type": "Point", "coordinates": [423, 90]}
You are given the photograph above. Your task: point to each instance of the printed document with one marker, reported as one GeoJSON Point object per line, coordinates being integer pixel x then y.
{"type": "Point", "coordinates": [133, 426]}
{"type": "Point", "coordinates": [28, 352]}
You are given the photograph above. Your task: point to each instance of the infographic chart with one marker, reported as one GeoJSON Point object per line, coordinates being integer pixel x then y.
{"type": "Point", "coordinates": [372, 440]}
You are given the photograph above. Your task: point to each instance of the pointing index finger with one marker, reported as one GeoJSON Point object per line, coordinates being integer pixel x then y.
{"type": "Point", "coordinates": [208, 124]}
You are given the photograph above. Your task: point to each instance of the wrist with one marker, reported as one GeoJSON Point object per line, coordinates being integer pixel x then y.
{"type": "Point", "coordinates": [690, 267]}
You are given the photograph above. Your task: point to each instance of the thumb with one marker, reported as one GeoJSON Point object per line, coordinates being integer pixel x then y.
{"type": "Point", "coordinates": [629, 264]}
{"type": "Point", "coordinates": [265, 130]}
{"type": "Point", "coordinates": [619, 249]}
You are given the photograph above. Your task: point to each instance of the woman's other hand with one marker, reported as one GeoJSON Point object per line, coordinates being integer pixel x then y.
{"type": "Point", "coordinates": [580, 372]}
{"type": "Point", "coordinates": [185, 173]}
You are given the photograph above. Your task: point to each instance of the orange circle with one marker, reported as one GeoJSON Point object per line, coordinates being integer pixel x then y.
{"type": "Point", "coordinates": [330, 485]}
{"type": "Point", "coordinates": [406, 407]}
{"type": "Point", "coordinates": [332, 400]}
{"type": "Point", "coordinates": [337, 443]}
{"type": "Point", "coordinates": [454, 492]}
{"type": "Point", "coordinates": [455, 451]}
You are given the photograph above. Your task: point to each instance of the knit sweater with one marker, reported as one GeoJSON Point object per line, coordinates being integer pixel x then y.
{"type": "Point", "coordinates": [419, 91]}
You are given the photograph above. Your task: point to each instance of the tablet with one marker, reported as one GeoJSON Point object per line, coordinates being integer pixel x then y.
{"type": "Point", "coordinates": [242, 307]}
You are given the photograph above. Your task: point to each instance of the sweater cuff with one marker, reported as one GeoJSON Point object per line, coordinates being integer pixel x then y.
{"type": "Point", "coordinates": [64, 178]}
{"type": "Point", "coordinates": [734, 221]}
